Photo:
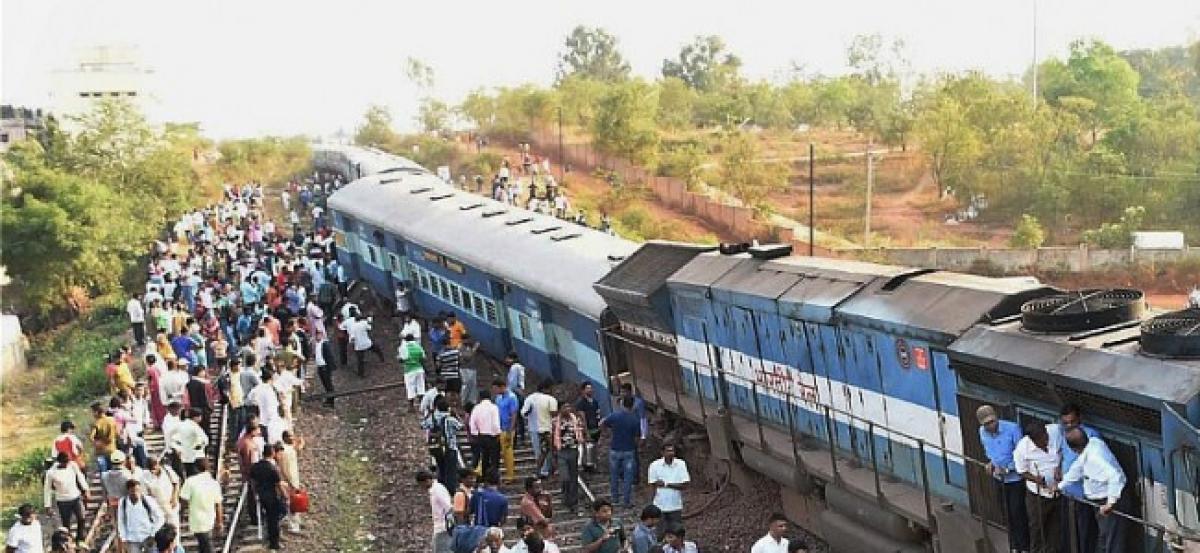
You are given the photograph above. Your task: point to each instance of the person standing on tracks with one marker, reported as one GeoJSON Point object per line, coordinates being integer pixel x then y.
{"type": "Point", "coordinates": [137, 319]}
{"type": "Point", "coordinates": [441, 508]}
{"type": "Point", "coordinates": [589, 409]}
{"type": "Point", "coordinates": [773, 542]}
{"type": "Point", "coordinates": [138, 518]}
{"type": "Point", "coordinates": [567, 435]}
{"type": "Point", "coordinates": [622, 452]}
{"type": "Point", "coordinates": [443, 441]}
{"type": "Point", "coordinates": [202, 495]}
{"type": "Point", "coordinates": [462, 497]}
{"type": "Point", "coordinates": [103, 436]}
{"type": "Point", "coordinates": [412, 358]}
{"type": "Point", "coordinates": [645, 534]}
{"type": "Point", "coordinates": [489, 505]}
{"type": "Point", "coordinates": [268, 487]}
{"type": "Point", "coordinates": [359, 331]}
{"type": "Point", "coordinates": [190, 441]}
{"type": "Point", "coordinates": [999, 439]}
{"type": "Point", "coordinates": [1037, 458]}
{"type": "Point", "coordinates": [449, 371]}
{"type": "Point", "coordinates": [508, 406]}
{"type": "Point", "coordinates": [325, 365]}
{"type": "Point", "coordinates": [516, 385]}
{"type": "Point", "coordinates": [669, 476]}
{"type": "Point", "coordinates": [539, 411]}
{"type": "Point", "coordinates": [485, 427]}
{"type": "Point", "coordinates": [26, 535]}
{"type": "Point", "coordinates": [162, 484]}
{"type": "Point", "coordinates": [601, 535]}
{"type": "Point", "coordinates": [66, 486]}
{"type": "Point", "coordinates": [470, 375]}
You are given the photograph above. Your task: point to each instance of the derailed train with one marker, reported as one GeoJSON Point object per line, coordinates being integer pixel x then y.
{"type": "Point", "coordinates": [844, 381]}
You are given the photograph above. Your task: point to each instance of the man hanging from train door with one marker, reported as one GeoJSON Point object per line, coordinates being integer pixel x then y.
{"type": "Point", "coordinates": [999, 439]}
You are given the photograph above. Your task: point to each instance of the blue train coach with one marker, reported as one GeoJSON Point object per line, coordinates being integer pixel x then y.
{"type": "Point", "coordinates": [520, 281]}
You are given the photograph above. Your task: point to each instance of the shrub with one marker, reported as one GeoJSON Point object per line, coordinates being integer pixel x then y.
{"type": "Point", "coordinates": [1029, 234]}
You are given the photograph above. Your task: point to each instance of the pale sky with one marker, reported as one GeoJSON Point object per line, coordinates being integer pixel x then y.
{"type": "Point", "coordinates": [249, 67]}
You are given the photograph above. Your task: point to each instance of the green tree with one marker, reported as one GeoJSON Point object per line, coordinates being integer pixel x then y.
{"type": "Point", "coordinates": [947, 138]}
{"type": "Point", "coordinates": [1119, 234]}
{"type": "Point", "coordinates": [1029, 234]}
{"type": "Point", "coordinates": [1095, 83]}
{"type": "Point", "coordinates": [745, 176]}
{"type": "Point", "coordinates": [478, 109]}
{"type": "Point", "coordinates": [703, 64]}
{"type": "Point", "coordinates": [592, 53]}
{"type": "Point", "coordinates": [578, 94]}
{"type": "Point", "coordinates": [625, 121]}
{"type": "Point", "coordinates": [376, 130]}
{"type": "Point", "coordinates": [434, 115]}
{"type": "Point", "coordinates": [676, 104]}
{"type": "Point", "coordinates": [419, 73]}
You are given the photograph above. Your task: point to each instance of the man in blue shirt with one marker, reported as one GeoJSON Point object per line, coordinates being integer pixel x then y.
{"type": "Point", "coordinates": [1085, 521]}
{"type": "Point", "coordinates": [999, 439]}
{"type": "Point", "coordinates": [639, 409]}
{"type": "Point", "coordinates": [488, 505]}
{"type": "Point", "coordinates": [508, 405]}
{"type": "Point", "coordinates": [622, 452]}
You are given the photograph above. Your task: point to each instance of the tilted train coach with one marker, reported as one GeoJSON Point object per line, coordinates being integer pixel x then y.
{"type": "Point", "coordinates": [851, 384]}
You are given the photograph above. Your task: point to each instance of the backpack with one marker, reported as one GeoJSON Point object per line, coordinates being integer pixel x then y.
{"type": "Point", "coordinates": [437, 443]}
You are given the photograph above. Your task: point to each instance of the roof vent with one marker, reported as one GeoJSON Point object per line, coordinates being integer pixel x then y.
{"type": "Point", "coordinates": [544, 230]}
{"type": "Point", "coordinates": [389, 181]}
{"type": "Point", "coordinates": [1175, 334]}
{"type": "Point", "coordinates": [567, 236]}
{"type": "Point", "coordinates": [518, 221]}
{"type": "Point", "coordinates": [1082, 310]}
{"type": "Point", "coordinates": [771, 251]}
{"type": "Point", "coordinates": [469, 207]}
{"type": "Point", "coordinates": [734, 249]}
{"type": "Point", "coordinates": [494, 212]}
{"type": "Point", "coordinates": [441, 196]}
{"type": "Point", "coordinates": [420, 190]}
{"type": "Point", "coordinates": [898, 280]}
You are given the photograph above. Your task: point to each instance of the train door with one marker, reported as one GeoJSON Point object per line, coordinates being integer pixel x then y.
{"type": "Point", "coordinates": [743, 360]}
{"type": "Point", "coordinates": [1181, 446]}
{"type": "Point", "coordinates": [866, 397]}
{"type": "Point", "coordinates": [696, 359]}
{"type": "Point", "coordinates": [558, 341]}
{"type": "Point", "coordinates": [806, 396]}
{"type": "Point", "coordinates": [775, 376]}
{"type": "Point", "coordinates": [500, 295]}
{"type": "Point", "coordinates": [830, 365]}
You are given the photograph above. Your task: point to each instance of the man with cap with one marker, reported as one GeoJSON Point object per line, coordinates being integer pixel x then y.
{"type": "Point", "coordinates": [999, 439]}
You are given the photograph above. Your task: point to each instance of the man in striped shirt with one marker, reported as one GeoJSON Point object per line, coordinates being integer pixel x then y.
{"type": "Point", "coordinates": [449, 368]}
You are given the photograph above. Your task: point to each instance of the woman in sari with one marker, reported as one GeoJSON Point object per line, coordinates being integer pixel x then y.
{"type": "Point", "coordinates": [154, 368]}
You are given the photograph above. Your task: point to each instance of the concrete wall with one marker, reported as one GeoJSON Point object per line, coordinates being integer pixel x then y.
{"type": "Point", "coordinates": [1079, 258]}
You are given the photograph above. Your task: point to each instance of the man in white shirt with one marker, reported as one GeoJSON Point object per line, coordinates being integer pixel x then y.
{"type": "Point", "coordinates": [138, 518]}
{"type": "Point", "coordinates": [412, 327]}
{"type": "Point", "coordinates": [26, 535]}
{"type": "Point", "coordinates": [360, 337]}
{"type": "Point", "coordinates": [669, 476]}
{"type": "Point", "coordinates": [137, 319]}
{"type": "Point", "coordinates": [539, 410]}
{"type": "Point", "coordinates": [1103, 482]}
{"type": "Point", "coordinates": [266, 398]}
{"type": "Point", "coordinates": [1037, 458]}
{"type": "Point", "coordinates": [202, 495]}
{"type": "Point", "coordinates": [773, 542]}
{"type": "Point", "coordinates": [68, 489]}
{"type": "Point", "coordinates": [441, 507]}
{"type": "Point", "coordinates": [189, 441]}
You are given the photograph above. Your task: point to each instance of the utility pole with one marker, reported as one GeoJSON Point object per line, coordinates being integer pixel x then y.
{"type": "Point", "coordinates": [562, 163]}
{"type": "Point", "coordinates": [1035, 56]}
{"type": "Point", "coordinates": [811, 197]}
{"type": "Point", "coordinates": [870, 185]}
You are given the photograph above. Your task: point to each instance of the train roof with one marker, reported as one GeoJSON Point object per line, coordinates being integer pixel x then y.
{"type": "Point", "coordinates": [635, 290]}
{"type": "Point", "coordinates": [1106, 363]}
{"type": "Point", "coordinates": [934, 305]}
{"type": "Point", "coordinates": [370, 160]}
{"type": "Point", "coordinates": [540, 253]}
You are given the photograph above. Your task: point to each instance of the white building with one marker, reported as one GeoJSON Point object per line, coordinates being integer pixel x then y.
{"type": "Point", "coordinates": [100, 72]}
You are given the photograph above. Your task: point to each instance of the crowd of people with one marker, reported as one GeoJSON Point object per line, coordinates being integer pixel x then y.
{"type": "Point", "coordinates": [1059, 484]}
{"type": "Point", "coordinates": [233, 313]}
{"type": "Point", "coordinates": [540, 192]}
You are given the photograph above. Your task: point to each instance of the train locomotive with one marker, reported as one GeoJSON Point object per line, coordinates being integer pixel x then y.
{"type": "Point", "coordinates": [851, 384]}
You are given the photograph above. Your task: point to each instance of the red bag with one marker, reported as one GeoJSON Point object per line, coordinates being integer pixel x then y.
{"type": "Point", "coordinates": [299, 502]}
